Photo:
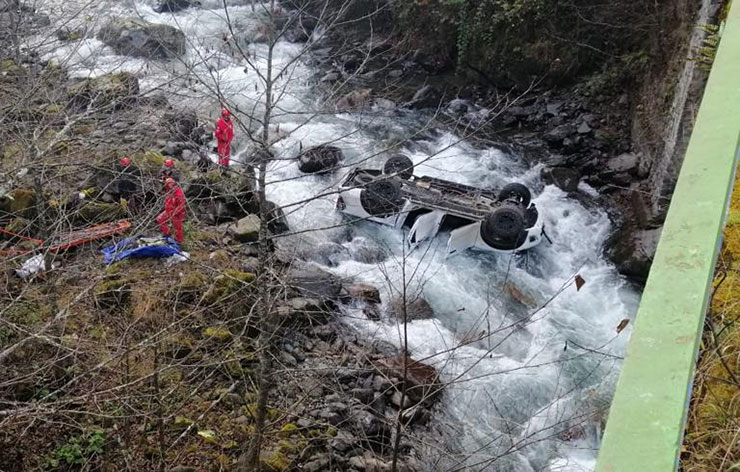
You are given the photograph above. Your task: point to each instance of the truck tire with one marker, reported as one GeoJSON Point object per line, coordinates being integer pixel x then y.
{"type": "Point", "coordinates": [504, 228]}
{"type": "Point", "coordinates": [399, 165]}
{"type": "Point", "coordinates": [516, 191]}
{"type": "Point", "coordinates": [382, 197]}
{"type": "Point", "coordinates": [320, 159]}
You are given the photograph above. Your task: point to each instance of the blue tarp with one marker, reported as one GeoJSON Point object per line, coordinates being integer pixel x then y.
{"type": "Point", "coordinates": [141, 246]}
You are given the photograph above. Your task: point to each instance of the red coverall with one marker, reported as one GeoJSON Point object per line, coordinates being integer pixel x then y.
{"type": "Point", "coordinates": [224, 134]}
{"type": "Point", "coordinates": [174, 209]}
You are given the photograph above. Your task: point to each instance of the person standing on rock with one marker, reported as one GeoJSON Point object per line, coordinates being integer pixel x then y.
{"type": "Point", "coordinates": [174, 210]}
{"type": "Point", "coordinates": [224, 132]}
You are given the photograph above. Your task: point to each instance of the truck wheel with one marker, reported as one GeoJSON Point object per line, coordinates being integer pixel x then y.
{"type": "Point", "coordinates": [382, 197]}
{"type": "Point", "coordinates": [518, 191]}
{"type": "Point", "coordinates": [399, 165]}
{"type": "Point", "coordinates": [504, 228]}
{"type": "Point", "coordinates": [320, 159]}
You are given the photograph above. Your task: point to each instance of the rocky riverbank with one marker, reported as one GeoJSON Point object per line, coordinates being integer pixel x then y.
{"type": "Point", "coordinates": [338, 397]}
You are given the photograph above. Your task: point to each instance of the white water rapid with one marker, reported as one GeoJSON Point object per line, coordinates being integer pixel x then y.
{"type": "Point", "coordinates": [513, 394]}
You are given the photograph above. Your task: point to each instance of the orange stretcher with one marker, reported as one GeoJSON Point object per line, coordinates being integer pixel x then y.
{"type": "Point", "coordinates": [68, 240]}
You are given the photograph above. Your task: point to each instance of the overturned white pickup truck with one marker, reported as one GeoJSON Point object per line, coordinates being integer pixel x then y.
{"type": "Point", "coordinates": [504, 221]}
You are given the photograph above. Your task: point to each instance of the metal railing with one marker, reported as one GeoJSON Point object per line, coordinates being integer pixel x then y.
{"type": "Point", "coordinates": [646, 422]}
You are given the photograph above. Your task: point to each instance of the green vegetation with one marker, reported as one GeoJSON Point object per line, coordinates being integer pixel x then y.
{"type": "Point", "coordinates": [518, 41]}
{"type": "Point", "coordinates": [713, 428]}
{"type": "Point", "coordinates": [77, 450]}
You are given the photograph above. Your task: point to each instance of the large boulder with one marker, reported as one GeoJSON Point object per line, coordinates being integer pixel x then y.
{"type": "Point", "coordinates": [355, 100]}
{"type": "Point", "coordinates": [99, 212]}
{"type": "Point", "coordinates": [246, 229]}
{"type": "Point", "coordinates": [115, 90]}
{"type": "Point", "coordinates": [425, 97]}
{"type": "Point", "coordinates": [139, 38]}
{"type": "Point", "coordinates": [632, 251]}
{"type": "Point", "coordinates": [320, 159]}
{"type": "Point", "coordinates": [172, 6]}
{"type": "Point", "coordinates": [416, 309]}
{"type": "Point", "coordinates": [313, 282]}
{"type": "Point", "coordinates": [422, 380]}
{"type": "Point", "coordinates": [564, 177]}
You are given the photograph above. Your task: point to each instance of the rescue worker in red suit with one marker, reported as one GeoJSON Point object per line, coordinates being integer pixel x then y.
{"type": "Point", "coordinates": [224, 132]}
{"type": "Point", "coordinates": [174, 210]}
{"type": "Point", "coordinates": [168, 170]}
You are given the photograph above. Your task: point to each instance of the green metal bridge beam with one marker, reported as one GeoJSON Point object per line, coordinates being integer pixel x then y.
{"type": "Point", "coordinates": [647, 417]}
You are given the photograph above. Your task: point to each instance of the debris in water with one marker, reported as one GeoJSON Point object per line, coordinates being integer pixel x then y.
{"type": "Point", "coordinates": [622, 324]}
{"type": "Point", "coordinates": [580, 282]}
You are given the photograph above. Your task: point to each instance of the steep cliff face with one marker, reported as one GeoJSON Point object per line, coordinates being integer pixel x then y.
{"type": "Point", "coordinates": [666, 107]}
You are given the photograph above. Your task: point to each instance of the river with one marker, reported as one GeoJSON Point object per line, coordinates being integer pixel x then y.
{"type": "Point", "coordinates": [531, 374]}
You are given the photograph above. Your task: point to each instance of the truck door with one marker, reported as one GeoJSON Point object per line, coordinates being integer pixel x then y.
{"type": "Point", "coordinates": [463, 238]}
{"type": "Point", "coordinates": [425, 227]}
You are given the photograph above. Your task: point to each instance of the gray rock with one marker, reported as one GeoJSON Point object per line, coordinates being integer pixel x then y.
{"type": "Point", "coordinates": [108, 90]}
{"type": "Point", "coordinates": [343, 441]}
{"type": "Point", "coordinates": [553, 108]}
{"type": "Point", "coordinates": [385, 104]}
{"type": "Point", "coordinates": [366, 251]}
{"type": "Point", "coordinates": [627, 162]}
{"type": "Point", "coordinates": [584, 128]}
{"type": "Point", "coordinates": [246, 229]}
{"type": "Point", "coordinates": [314, 282]}
{"type": "Point", "coordinates": [365, 395]}
{"type": "Point", "coordinates": [458, 107]}
{"type": "Point", "coordinates": [564, 177]}
{"type": "Point", "coordinates": [370, 464]}
{"type": "Point", "coordinates": [331, 416]}
{"type": "Point", "coordinates": [398, 396]}
{"type": "Point", "coordinates": [173, 6]}
{"type": "Point", "coordinates": [174, 149]}
{"type": "Point", "coordinates": [379, 404]}
{"type": "Point", "coordinates": [415, 415]}
{"type": "Point", "coordinates": [373, 430]}
{"type": "Point", "coordinates": [416, 309]}
{"type": "Point", "coordinates": [330, 77]}
{"type": "Point", "coordinates": [139, 38]}
{"type": "Point", "coordinates": [318, 464]}
{"type": "Point", "coordinates": [425, 97]}
{"type": "Point", "coordinates": [632, 251]}
{"type": "Point", "coordinates": [354, 101]}
{"type": "Point", "coordinates": [305, 308]}
{"type": "Point", "coordinates": [327, 253]}
{"type": "Point", "coordinates": [361, 291]}
{"type": "Point", "coordinates": [556, 136]}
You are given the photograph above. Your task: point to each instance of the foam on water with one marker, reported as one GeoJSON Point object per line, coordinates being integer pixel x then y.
{"type": "Point", "coordinates": [518, 379]}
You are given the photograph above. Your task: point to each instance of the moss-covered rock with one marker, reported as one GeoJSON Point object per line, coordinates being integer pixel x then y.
{"type": "Point", "coordinates": [98, 212]}
{"type": "Point", "coordinates": [227, 284]}
{"type": "Point", "coordinates": [110, 89]}
{"type": "Point", "coordinates": [275, 460]}
{"type": "Point", "coordinates": [113, 293]}
{"type": "Point", "coordinates": [218, 333]}
{"type": "Point", "coordinates": [178, 346]}
{"type": "Point", "coordinates": [20, 226]}
{"type": "Point", "coordinates": [246, 230]}
{"type": "Point", "coordinates": [288, 430]}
